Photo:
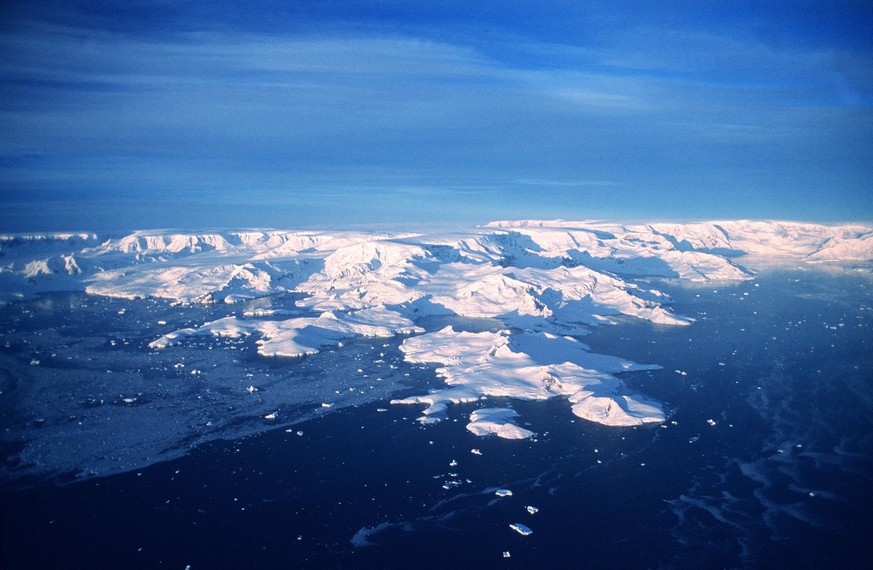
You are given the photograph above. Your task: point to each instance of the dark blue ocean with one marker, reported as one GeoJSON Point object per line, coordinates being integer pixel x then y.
{"type": "Point", "coordinates": [765, 461]}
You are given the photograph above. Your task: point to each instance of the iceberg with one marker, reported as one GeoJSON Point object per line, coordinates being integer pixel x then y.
{"type": "Point", "coordinates": [497, 421]}
{"type": "Point", "coordinates": [521, 529]}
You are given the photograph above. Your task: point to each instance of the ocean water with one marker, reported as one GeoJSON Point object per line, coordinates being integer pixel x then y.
{"type": "Point", "coordinates": [765, 460]}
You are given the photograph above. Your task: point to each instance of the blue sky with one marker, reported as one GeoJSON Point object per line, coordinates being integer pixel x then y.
{"type": "Point", "coordinates": [120, 115]}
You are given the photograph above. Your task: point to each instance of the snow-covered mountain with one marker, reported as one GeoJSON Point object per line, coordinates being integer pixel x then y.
{"type": "Point", "coordinates": [192, 267]}
{"type": "Point", "coordinates": [544, 282]}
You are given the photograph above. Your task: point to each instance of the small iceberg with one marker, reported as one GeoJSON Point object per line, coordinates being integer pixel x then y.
{"type": "Point", "coordinates": [497, 421]}
{"type": "Point", "coordinates": [521, 529]}
{"type": "Point", "coordinates": [503, 493]}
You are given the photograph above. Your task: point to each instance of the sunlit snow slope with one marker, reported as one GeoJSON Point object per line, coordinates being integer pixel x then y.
{"type": "Point", "coordinates": [544, 283]}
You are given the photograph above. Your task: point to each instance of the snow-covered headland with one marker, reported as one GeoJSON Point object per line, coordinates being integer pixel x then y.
{"type": "Point", "coordinates": [543, 284]}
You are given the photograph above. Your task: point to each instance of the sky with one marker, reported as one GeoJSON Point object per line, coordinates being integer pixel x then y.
{"type": "Point", "coordinates": [268, 113]}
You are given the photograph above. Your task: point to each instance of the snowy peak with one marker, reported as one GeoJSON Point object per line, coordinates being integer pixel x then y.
{"type": "Point", "coordinates": [526, 268]}
{"type": "Point", "coordinates": [732, 238]}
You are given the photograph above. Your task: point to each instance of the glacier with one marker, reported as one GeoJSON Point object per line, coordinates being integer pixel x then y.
{"type": "Point", "coordinates": [534, 288]}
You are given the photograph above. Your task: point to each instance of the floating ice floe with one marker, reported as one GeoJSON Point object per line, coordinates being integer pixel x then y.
{"type": "Point", "coordinates": [503, 493]}
{"type": "Point", "coordinates": [521, 529]}
{"type": "Point", "coordinates": [497, 421]}
{"type": "Point", "coordinates": [532, 510]}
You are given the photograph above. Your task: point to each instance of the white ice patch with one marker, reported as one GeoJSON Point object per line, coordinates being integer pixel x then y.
{"type": "Point", "coordinates": [521, 529]}
{"type": "Point", "coordinates": [528, 366]}
{"type": "Point", "coordinates": [302, 335]}
{"type": "Point", "coordinates": [497, 421]}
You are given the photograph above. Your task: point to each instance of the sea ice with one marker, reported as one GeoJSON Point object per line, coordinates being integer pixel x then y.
{"type": "Point", "coordinates": [521, 529]}
{"type": "Point", "coordinates": [497, 421]}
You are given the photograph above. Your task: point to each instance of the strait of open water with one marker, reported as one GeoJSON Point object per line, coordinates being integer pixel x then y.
{"type": "Point", "coordinates": [781, 366]}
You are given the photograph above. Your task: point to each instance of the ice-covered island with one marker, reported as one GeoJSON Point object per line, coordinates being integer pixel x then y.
{"type": "Point", "coordinates": [539, 285]}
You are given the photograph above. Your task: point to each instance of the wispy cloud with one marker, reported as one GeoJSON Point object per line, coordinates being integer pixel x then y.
{"type": "Point", "coordinates": [388, 111]}
{"type": "Point", "coordinates": [568, 183]}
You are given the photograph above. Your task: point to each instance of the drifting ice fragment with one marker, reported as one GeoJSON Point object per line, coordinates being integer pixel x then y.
{"type": "Point", "coordinates": [270, 416]}
{"type": "Point", "coordinates": [532, 510]}
{"type": "Point", "coordinates": [475, 452]}
{"type": "Point", "coordinates": [503, 493]}
{"type": "Point", "coordinates": [521, 529]}
{"type": "Point", "coordinates": [497, 421]}
{"type": "Point", "coordinates": [710, 422]}
{"type": "Point", "coordinates": [327, 405]}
